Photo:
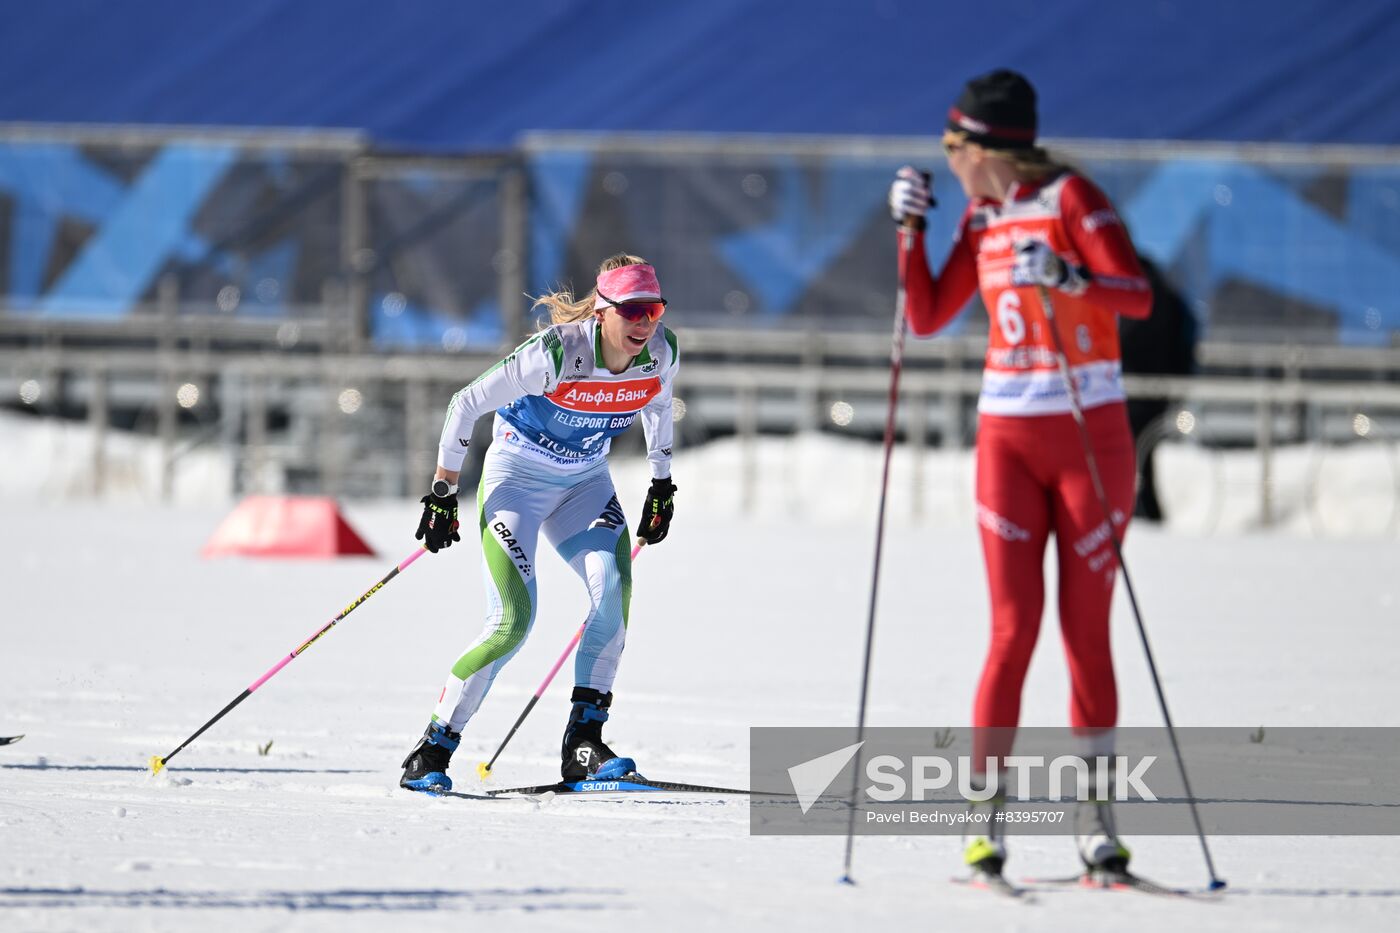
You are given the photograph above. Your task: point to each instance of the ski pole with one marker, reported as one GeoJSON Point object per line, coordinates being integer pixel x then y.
{"type": "Point", "coordinates": [906, 244]}
{"type": "Point", "coordinates": [484, 768]}
{"type": "Point", "coordinates": [1077, 411]}
{"type": "Point", "coordinates": [157, 763]}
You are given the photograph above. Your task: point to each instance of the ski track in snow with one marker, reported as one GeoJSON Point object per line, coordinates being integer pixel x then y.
{"type": "Point", "coordinates": [120, 642]}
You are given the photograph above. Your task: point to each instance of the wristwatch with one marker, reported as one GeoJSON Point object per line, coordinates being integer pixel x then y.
{"type": "Point", "coordinates": [442, 488]}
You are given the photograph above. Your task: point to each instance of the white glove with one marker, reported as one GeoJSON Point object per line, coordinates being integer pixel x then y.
{"type": "Point", "coordinates": [1037, 264]}
{"type": "Point", "coordinates": [909, 195]}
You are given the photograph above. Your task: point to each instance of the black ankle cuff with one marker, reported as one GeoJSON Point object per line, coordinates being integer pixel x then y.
{"type": "Point", "coordinates": [592, 697]}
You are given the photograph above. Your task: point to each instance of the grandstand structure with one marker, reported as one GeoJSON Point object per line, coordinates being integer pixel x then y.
{"type": "Point", "coordinates": [309, 298]}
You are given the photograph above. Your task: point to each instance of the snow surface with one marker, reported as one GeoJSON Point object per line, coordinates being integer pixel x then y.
{"type": "Point", "coordinates": [118, 641]}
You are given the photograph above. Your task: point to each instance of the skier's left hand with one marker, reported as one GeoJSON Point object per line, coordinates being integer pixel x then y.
{"type": "Point", "coordinates": [657, 509]}
{"type": "Point", "coordinates": [1037, 264]}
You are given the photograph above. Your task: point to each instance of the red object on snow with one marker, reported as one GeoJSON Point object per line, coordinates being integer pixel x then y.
{"type": "Point", "coordinates": [286, 526]}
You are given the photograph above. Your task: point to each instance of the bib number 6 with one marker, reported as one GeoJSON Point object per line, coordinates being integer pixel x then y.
{"type": "Point", "coordinates": [1009, 319]}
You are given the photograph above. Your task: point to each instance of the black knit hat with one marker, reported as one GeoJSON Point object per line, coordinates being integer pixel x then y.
{"type": "Point", "coordinates": [997, 111]}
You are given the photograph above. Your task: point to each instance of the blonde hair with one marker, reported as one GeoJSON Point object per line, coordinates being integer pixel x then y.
{"type": "Point", "coordinates": [564, 307]}
{"type": "Point", "coordinates": [1030, 164]}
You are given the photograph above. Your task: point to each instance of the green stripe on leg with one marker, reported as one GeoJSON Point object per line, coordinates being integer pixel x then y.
{"type": "Point", "coordinates": [624, 572]}
{"type": "Point", "coordinates": [516, 609]}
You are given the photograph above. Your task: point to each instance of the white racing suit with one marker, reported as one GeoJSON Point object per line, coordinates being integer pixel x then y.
{"type": "Point", "coordinates": [558, 407]}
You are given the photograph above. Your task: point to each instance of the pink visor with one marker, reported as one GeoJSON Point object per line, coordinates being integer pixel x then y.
{"type": "Point", "coordinates": [629, 283]}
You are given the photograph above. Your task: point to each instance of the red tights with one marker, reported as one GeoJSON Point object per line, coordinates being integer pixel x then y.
{"type": "Point", "coordinates": [1032, 479]}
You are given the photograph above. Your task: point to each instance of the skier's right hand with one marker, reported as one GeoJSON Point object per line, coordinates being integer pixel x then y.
{"type": "Point", "coordinates": [909, 196]}
{"type": "Point", "coordinates": [437, 528]}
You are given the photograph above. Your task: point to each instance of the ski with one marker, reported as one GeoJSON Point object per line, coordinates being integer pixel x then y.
{"type": "Point", "coordinates": [439, 792]}
{"type": "Point", "coordinates": [10, 739]}
{"type": "Point", "coordinates": [629, 784]}
{"type": "Point", "coordinates": [996, 884]}
{"type": "Point", "coordinates": [1117, 881]}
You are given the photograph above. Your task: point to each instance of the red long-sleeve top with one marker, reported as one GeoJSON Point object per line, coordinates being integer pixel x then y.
{"type": "Point", "coordinates": [1077, 221]}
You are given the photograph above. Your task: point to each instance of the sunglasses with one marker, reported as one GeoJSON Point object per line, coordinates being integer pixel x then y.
{"type": "Point", "coordinates": [636, 310]}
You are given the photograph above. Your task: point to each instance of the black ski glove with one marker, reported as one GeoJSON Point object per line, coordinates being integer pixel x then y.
{"type": "Point", "coordinates": [437, 528]}
{"type": "Point", "coordinates": [657, 509]}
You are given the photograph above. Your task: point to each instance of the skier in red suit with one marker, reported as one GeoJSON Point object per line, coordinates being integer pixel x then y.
{"type": "Point", "coordinates": [1032, 223]}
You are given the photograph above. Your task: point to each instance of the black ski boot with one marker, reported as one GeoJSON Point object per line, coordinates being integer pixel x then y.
{"type": "Point", "coordinates": [425, 768]}
{"type": "Point", "coordinates": [585, 755]}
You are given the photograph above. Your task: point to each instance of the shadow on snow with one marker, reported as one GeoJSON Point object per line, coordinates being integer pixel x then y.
{"type": "Point", "coordinates": [181, 769]}
{"type": "Point", "coordinates": [349, 899]}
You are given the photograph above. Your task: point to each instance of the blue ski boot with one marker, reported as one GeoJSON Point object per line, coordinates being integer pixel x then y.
{"type": "Point", "coordinates": [425, 768]}
{"type": "Point", "coordinates": [585, 755]}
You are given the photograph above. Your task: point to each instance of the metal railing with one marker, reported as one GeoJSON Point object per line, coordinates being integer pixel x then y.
{"type": "Point", "coordinates": [364, 424]}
